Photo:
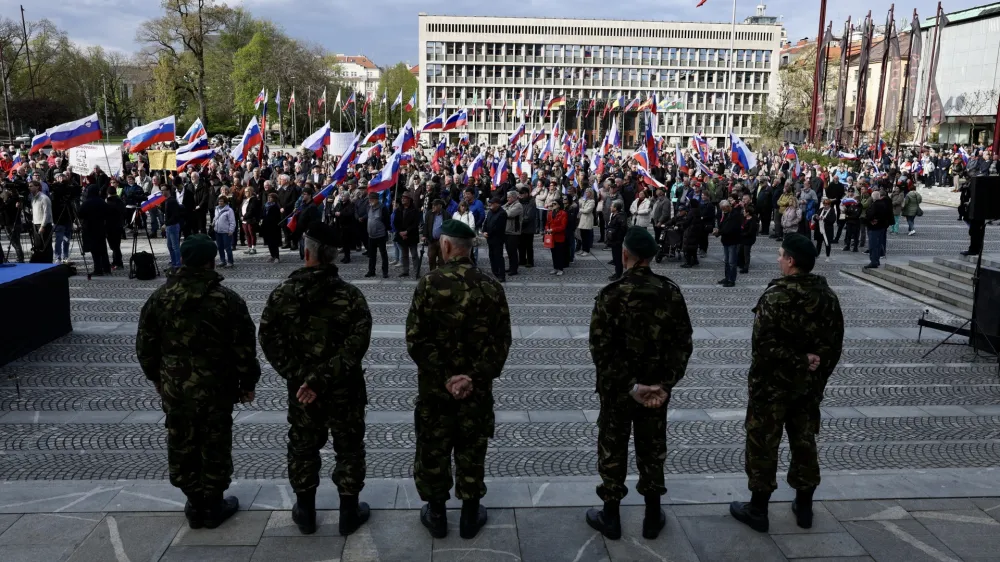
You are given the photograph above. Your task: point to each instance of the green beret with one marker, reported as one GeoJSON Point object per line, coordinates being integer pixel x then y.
{"type": "Point", "coordinates": [640, 243]}
{"type": "Point", "coordinates": [322, 233]}
{"type": "Point", "coordinates": [800, 249]}
{"type": "Point", "coordinates": [456, 229]}
{"type": "Point", "coordinates": [198, 250]}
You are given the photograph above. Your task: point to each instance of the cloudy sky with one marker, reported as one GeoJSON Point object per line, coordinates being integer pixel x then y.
{"type": "Point", "coordinates": [386, 30]}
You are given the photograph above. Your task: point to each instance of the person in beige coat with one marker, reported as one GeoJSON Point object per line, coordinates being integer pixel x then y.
{"type": "Point", "coordinates": [585, 221]}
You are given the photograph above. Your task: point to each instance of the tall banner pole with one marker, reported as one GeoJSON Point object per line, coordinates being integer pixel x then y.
{"type": "Point", "coordinates": [906, 87]}
{"type": "Point", "coordinates": [885, 65]}
{"type": "Point", "coordinates": [816, 85]}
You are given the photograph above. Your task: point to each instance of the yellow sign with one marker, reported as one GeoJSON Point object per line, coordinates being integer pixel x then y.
{"type": "Point", "coordinates": [162, 159]}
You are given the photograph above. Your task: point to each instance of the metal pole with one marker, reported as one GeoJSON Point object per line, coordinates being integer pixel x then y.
{"type": "Point", "coordinates": [925, 120]}
{"type": "Point", "coordinates": [104, 87]}
{"type": "Point", "coordinates": [819, 48]}
{"type": "Point", "coordinates": [27, 51]}
{"type": "Point", "coordinates": [729, 84]}
{"type": "Point", "coordinates": [843, 77]}
{"type": "Point", "coordinates": [906, 81]}
{"type": "Point", "coordinates": [6, 106]}
{"type": "Point", "coordinates": [885, 65]}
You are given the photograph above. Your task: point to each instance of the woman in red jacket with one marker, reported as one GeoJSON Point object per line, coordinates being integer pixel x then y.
{"type": "Point", "coordinates": [556, 226]}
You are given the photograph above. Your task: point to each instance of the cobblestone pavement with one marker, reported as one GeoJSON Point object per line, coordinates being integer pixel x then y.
{"type": "Point", "coordinates": [895, 425]}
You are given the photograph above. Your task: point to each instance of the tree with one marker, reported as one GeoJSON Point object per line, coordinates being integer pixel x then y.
{"type": "Point", "coordinates": [184, 34]}
{"type": "Point", "coordinates": [790, 106]}
{"type": "Point", "coordinates": [393, 80]}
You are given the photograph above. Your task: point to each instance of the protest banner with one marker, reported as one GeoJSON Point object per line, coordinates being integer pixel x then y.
{"type": "Point", "coordinates": [83, 158]}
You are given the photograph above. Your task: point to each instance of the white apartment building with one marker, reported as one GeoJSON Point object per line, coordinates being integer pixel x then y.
{"type": "Point", "coordinates": [360, 73]}
{"type": "Point", "coordinates": [467, 61]}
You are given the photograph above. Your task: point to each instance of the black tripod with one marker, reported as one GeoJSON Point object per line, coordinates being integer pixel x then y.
{"type": "Point", "coordinates": [974, 333]}
{"type": "Point", "coordinates": [135, 223]}
{"type": "Point", "coordinates": [76, 233]}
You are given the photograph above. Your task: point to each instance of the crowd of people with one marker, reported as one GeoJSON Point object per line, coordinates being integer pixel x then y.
{"type": "Point", "coordinates": [572, 204]}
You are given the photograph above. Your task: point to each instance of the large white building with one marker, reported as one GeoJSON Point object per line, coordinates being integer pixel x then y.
{"type": "Point", "coordinates": [481, 62]}
{"type": "Point", "coordinates": [360, 72]}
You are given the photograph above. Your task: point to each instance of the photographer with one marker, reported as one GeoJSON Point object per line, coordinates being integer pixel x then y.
{"type": "Point", "coordinates": [11, 220]}
{"type": "Point", "coordinates": [65, 195]}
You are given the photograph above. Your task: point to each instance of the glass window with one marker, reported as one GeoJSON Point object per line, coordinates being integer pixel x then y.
{"type": "Point", "coordinates": [616, 52]}
{"type": "Point", "coordinates": [702, 55]}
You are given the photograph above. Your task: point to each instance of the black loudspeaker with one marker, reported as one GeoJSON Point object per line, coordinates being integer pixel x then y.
{"type": "Point", "coordinates": [987, 310]}
{"type": "Point", "coordinates": [984, 198]}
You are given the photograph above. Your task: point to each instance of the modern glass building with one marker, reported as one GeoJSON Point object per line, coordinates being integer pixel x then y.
{"type": "Point", "coordinates": [498, 66]}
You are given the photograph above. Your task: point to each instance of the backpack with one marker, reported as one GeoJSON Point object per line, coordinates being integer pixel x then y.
{"type": "Point", "coordinates": [142, 266]}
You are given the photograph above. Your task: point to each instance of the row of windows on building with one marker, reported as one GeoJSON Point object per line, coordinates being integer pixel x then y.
{"type": "Point", "coordinates": [453, 73]}
{"type": "Point", "coordinates": [507, 120]}
{"type": "Point", "coordinates": [595, 51]}
{"type": "Point", "coordinates": [680, 33]}
{"type": "Point", "coordinates": [478, 96]}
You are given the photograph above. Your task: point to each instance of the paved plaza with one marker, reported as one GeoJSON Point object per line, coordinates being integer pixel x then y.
{"type": "Point", "coordinates": [910, 447]}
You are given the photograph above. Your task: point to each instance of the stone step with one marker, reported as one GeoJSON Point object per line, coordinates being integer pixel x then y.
{"type": "Point", "coordinates": [989, 260]}
{"type": "Point", "coordinates": [932, 279]}
{"type": "Point", "coordinates": [916, 290]}
{"type": "Point", "coordinates": [958, 264]}
{"type": "Point", "coordinates": [955, 275]}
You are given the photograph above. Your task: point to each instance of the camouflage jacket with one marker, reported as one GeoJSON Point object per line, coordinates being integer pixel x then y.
{"type": "Point", "coordinates": [458, 324]}
{"type": "Point", "coordinates": [196, 338]}
{"type": "Point", "coordinates": [796, 315]}
{"type": "Point", "coordinates": [315, 329]}
{"type": "Point", "coordinates": [640, 332]}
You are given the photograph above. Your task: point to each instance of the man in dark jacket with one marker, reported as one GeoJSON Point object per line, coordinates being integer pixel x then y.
{"type": "Point", "coordinates": [64, 194]}
{"type": "Point", "coordinates": [878, 218]}
{"type": "Point", "coordinates": [748, 237]}
{"type": "Point", "coordinates": [406, 224]}
{"type": "Point", "coordinates": [494, 229]}
{"type": "Point", "coordinates": [202, 203]}
{"type": "Point", "coordinates": [615, 236]}
{"type": "Point", "coordinates": [835, 192]}
{"type": "Point", "coordinates": [529, 224]}
{"type": "Point", "coordinates": [115, 227]}
{"type": "Point", "coordinates": [728, 230]}
{"type": "Point", "coordinates": [288, 194]}
{"type": "Point", "coordinates": [764, 206]}
{"type": "Point", "coordinates": [94, 214]}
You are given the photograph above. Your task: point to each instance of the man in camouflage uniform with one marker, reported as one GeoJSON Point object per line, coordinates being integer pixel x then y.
{"type": "Point", "coordinates": [315, 331]}
{"type": "Point", "coordinates": [458, 334]}
{"type": "Point", "coordinates": [798, 335]}
{"type": "Point", "coordinates": [196, 343]}
{"type": "Point", "coordinates": [640, 339]}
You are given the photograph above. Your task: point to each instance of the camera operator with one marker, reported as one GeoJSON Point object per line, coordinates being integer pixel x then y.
{"type": "Point", "coordinates": [11, 220]}
{"type": "Point", "coordinates": [65, 196]}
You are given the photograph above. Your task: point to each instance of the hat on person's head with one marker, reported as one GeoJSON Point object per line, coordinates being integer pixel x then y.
{"type": "Point", "coordinates": [640, 243]}
{"type": "Point", "coordinates": [408, 195]}
{"type": "Point", "coordinates": [497, 199]}
{"type": "Point", "coordinates": [198, 250]}
{"type": "Point", "coordinates": [800, 249]}
{"type": "Point", "coordinates": [373, 195]}
{"type": "Point", "coordinates": [456, 229]}
{"type": "Point", "coordinates": [322, 233]}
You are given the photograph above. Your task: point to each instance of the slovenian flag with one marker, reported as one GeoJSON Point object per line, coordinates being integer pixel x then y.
{"type": "Point", "coordinates": [412, 103]}
{"type": "Point", "coordinates": [650, 141]}
{"type": "Point", "coordinates": [38, 142]}
{"type": "Point", "coordinates": [648, 179]}
{"type": "Point", "coordinates": [535, 137]}
{"type": "Point", "coordinates": [145, 136]}
{"type": "Point", "coordinates": [700, 147]}
{"type": "Point", "coordinates": [516, 135]}
{"type": "Point", "coordinates": [251, 138]}
{"type": "Point", "coordinates": [318, 141]}
{"type": "Point", "coordinates": [373, 151]}
{"type": "Point", "coordinates": [387, 177]}
{"type": "Point", "coordinates": [475, 168]}
{"type": "Point", "coordinates": [641, 157]}
{"type": "Point", "coordinates": [439, 153]}
{"type": "Point", "coordinates": [154, 200]}
{"type": "Point", "coordinates": [500, 175]}
{"type": "Point", "coordinates": [261, 98]}
{"type": "Point", "coordinates": [546, 149]}
{"type": "Point", "coordinates": [434, 124]}
{"type": "Point", "coordinates": [196, 130]}
{"type": "Point", "coordinates": [349, 101]}
{"type": "Point", "coordinates": [405, 140]}
{"type": "Point", "coordinates": [194, 158]}
{"type": "Point", "coordinates": [200, 143]}
{"type": "Point", "coordinates": [456, 120]}
{"type": "Point", "coordinates": [340, 172]}
{"type": "Point", "coordinates": [75, 133]}
{"type": "Point", "coordinates": [681, 161]}
{"type": "Point", "coordinates": [377, 134]}
{"type": "Point", "coordinates": [740, 153]}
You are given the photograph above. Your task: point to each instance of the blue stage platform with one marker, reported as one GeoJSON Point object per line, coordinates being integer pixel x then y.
{"type": "Point", "coordinates": [35, 301]}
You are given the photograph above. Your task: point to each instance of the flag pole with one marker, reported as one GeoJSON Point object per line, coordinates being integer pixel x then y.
{"type": "Point", "coordinates": [309, 106]}
{"type": "Point", "coordinates": [930, 76]}
{"type": "Point", "coordinates": [906, 81]}
{"type": "Point", "coordinates": [729, 81]}
{"type": "Point", "coordinates": [820, 38]}
{"type": "Point", "coordinates": [885, 66]}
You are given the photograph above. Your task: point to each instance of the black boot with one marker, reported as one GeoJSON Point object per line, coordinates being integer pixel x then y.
{"type": "Point", "coordinates": [606, 520]}
{"type": "Point", "coordinates": [754, 514]}
{"type": "Point", "coordinates": [655, 519]}
{"type": "Point", "coordinates": [304, 512]}
{"type": "Point", "coordinates": [433, 517]}
{"type": "Point", "coordinates": [194, 514]}
{"type": "Point", "coordinates": [217, 509]}
{"type": "Point", "coordinates": [473, 519]}
{"type": "Point", "coordinates": [802, 507]}
{"type": "Point", "coordinates": [353, 514]}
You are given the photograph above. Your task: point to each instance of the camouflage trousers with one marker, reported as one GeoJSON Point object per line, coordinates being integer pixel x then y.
{"type": "Point", "coordinates": [619, 416]}
{"type": "Point", "coordinates": [764, 425]}
{"type": "Point", "coordinates": [311, 425]}
{"type": "Point", "coordinates": [200, 449]}
{"type": "Point", "coordinates": [462, 427]}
